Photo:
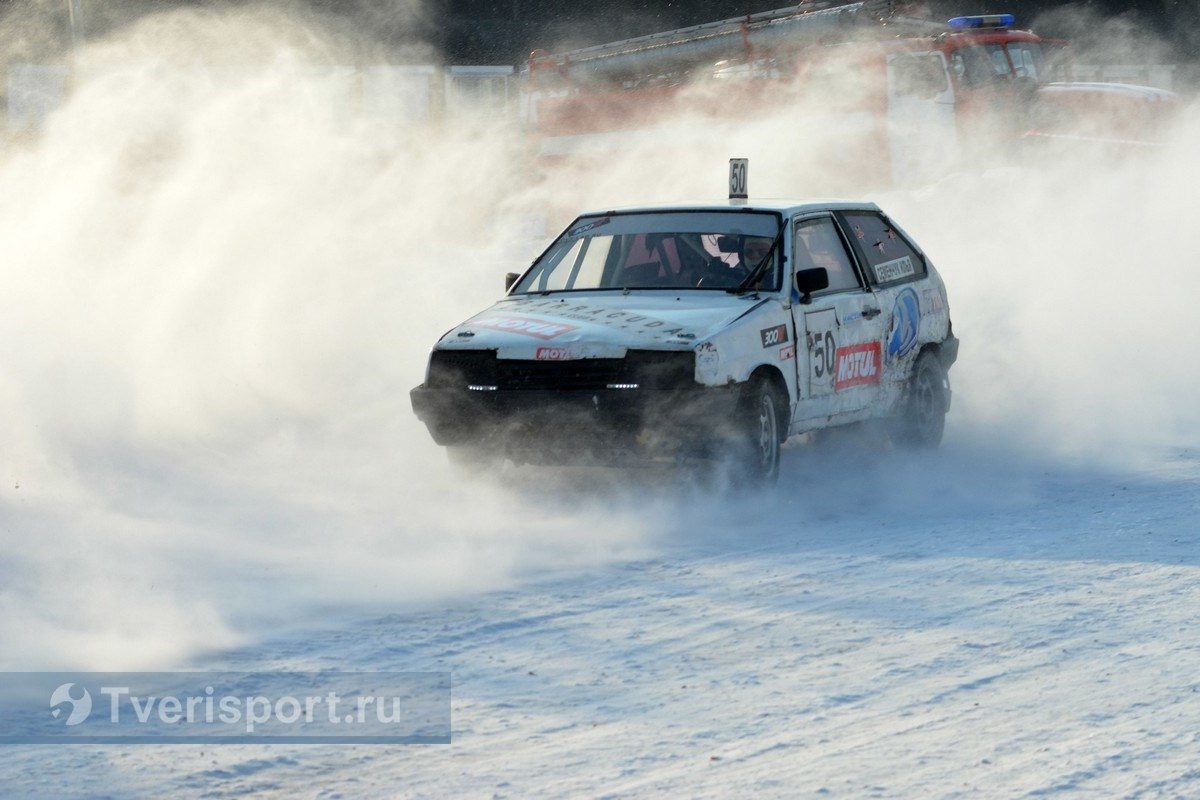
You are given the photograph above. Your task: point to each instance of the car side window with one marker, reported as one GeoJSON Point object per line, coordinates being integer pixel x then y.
{"type": "Point", "coordinates": [889, 256]}
{"type": "Point", "coordinates": [818, 244]}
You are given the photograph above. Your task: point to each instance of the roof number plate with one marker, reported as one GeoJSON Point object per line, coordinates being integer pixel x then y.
{"type": "Point", "coordinates": [739, 169]}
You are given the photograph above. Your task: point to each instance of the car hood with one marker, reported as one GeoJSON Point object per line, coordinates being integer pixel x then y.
{"type": "Point", "coordinates": [597, 325]}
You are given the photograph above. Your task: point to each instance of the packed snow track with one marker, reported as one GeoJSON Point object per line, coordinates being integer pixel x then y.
{"type": "Point", "coordinates": [994, 624]}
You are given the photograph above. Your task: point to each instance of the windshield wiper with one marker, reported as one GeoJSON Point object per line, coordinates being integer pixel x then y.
{"type": "Point", "coordinates": [761, 267]}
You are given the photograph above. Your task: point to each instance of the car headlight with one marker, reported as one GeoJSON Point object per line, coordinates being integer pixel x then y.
{"type": "Point", "coordinates": [660, 369]}
{"type": "Point", "coordinates": [459, 369]}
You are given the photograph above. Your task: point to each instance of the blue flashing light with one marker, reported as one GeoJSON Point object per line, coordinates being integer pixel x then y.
{"type": "Point", "coordinates": [982, 21]}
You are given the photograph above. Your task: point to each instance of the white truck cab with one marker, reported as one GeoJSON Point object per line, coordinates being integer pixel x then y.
{"type": "Point", "coordinates": [711, 331]}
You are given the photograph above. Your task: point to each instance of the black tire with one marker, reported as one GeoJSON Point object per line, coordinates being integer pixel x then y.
{"type": "Point", "coordinates": [922, 418]}
{"type": "Point", "coordinates": [758, 436]}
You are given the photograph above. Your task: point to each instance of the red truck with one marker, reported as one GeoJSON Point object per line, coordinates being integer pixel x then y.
{"type": "Point", "coordinates": [891, 97]}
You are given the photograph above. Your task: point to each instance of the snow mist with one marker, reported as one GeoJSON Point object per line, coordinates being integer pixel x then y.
{"type": "Point", "coordinates": [220, 280]}
{"type": "Point", "coordinates": [218, 288]}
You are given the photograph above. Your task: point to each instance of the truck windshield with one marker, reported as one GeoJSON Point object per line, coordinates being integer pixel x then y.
{"type": "Point", "coordinates": [980, 65]}
{"type": "Point", "coordinates": [661, 250]}
{"type": "Point", "coordinates": [1027, 61]}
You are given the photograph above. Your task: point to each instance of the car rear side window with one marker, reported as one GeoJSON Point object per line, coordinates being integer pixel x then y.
{"type": "Point", "coordinates": [890, 257]}
{"type": "Point", "coordinates": [819, 245]}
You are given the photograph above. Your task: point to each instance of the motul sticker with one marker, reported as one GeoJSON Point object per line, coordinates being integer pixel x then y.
{"type": "Point", "coordinates": [857, 365]}
{"type": "Point", "coordinates": [600, 315]}
{"type": "Point", "coordinates": [526, 326]}
{"type": "Point", "coordinates": [555, 354]}
{"type": "Point", "coordinates": [774, 336]}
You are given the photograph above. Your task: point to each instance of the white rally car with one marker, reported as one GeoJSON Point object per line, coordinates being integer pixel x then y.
{"type": "Point", "coordinates": [707, 332]}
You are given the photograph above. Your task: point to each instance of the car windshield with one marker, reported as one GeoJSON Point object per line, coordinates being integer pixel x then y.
{"type": "Point", "coordinates": [662, 250]}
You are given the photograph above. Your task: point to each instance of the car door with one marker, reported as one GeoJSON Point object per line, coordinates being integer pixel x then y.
{"type": "Point", "coordinates": [896, 271]}
{"type": "Point", "coordinates": [839, 332]}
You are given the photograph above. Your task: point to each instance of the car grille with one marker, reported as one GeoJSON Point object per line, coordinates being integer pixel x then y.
{"type": "Point", "coordinates": [649, 369]}
{"type": "Point", "coordinates": [586, 373]}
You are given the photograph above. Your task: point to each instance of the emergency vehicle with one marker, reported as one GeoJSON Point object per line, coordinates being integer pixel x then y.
{"type": "Point", "coordinates": [710, 332]}
{"type": "Point", "coordinates": [901, 97]}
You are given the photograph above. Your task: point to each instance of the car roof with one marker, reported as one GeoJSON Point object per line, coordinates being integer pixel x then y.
{"type": "Point", "coordinates": [785, 207]}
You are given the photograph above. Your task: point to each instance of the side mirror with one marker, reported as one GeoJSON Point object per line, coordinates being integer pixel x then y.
{"type": "Point", "coordinates": [509, 279]}
{"type": "Point", "coordinates": [809, 281]}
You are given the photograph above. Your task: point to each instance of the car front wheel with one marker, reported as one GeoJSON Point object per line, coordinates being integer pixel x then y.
{"type": "Point", "coordinates": [759, 437]}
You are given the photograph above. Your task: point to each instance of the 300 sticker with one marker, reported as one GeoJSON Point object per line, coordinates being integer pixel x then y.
{"type": "Point", "coordinates": [774, 336]}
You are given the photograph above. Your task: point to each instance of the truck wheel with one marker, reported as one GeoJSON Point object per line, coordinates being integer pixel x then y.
{"type": "Point", "coordinates": [757, 461]}
{"type": "Point", "coordinates": [922, 417]}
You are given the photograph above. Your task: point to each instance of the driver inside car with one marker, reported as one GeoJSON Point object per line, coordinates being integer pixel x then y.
{"type": "Point", "coordinates": [754, 250]}
{"type": "Point", "coordinates": [739, 255]}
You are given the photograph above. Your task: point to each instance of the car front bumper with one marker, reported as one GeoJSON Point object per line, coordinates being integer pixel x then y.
{"type": "Point", "coordinates": [588, 423]}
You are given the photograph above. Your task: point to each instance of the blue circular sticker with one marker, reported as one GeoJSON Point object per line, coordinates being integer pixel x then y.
{"type": "Point", "coordinates": [906, 322]}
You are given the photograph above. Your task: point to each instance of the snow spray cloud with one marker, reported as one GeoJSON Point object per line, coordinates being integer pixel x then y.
{"type": "Point", "coordinates": [1074, 295]}
{"type": "Point", "coordinates": [219, 284]}
{"type": "Point", "coordinates": [221, 278]}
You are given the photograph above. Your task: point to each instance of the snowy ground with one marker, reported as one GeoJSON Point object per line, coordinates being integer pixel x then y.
{"type": "Point", "coordinates": [219, 295]}
{"type": "Point", "coordinates": [973, 621]}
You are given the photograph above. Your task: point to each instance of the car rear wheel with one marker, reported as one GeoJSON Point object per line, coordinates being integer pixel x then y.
{"type": "Point", "coordinates": [922, 418]}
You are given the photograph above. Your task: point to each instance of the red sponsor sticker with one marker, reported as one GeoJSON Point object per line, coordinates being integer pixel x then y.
{"type": "Point", "coordinates": [526, 326]}
{"type": "Point", "coordinates": [787, 352]}
{"type": "Point", "coordinates": [857, 365]}
{"type": "Point", "coordinates": [553, 354]}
